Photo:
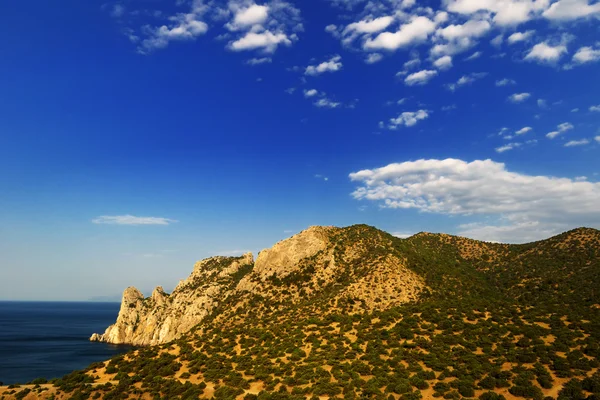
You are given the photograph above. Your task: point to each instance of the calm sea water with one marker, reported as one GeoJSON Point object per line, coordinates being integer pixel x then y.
{"type": "Point", "coordinates": [44, 339]}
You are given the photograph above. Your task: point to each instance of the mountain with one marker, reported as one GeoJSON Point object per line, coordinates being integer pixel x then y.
{"type": "Point", "coordinates": [357, 313]}
{"type": "Point", "coordinates": [313, 267]}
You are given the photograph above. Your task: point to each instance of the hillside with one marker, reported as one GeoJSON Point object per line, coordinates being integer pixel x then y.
{"type": "Point", "coordinates": [321, 266]}
{"type": "Point", "coordinates": [357, 313]}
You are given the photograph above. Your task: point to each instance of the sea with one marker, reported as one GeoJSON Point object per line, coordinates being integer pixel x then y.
{"type": "Point", "coordinates": [51, 339]}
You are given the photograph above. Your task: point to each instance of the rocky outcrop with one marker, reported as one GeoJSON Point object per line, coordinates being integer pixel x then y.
{"type": "Point", "coordinates": [339, 265]}
{"type": "Point", "coordinates": [161, 317]}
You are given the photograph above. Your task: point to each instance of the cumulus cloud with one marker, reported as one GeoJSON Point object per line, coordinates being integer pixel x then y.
{"type": "Point", "coordinates": [250, 26]}
{"type": "Point", "coordinates": [471, 28]}
{"type": "Point", "coordinates": [546, 53]}
{"type": "Point", "coordinates": [369, 25]}
{"type": "Point", "coordinates": [597, 139]}
{"type": "Point", "coordinates": [520, 37]}
{"type": "Point", "coordinates": [311, 92]}
{"type": "Point", "coordinates": [454, 39]}
{"type": "Point", "coordinates": [507, 147]}
{"type": "Point", "coordinates": [332, 65]}
{"type": "Point", "coordinates": [506, 12]}
{"type": "Point", "coordinates": [595, 108]}
{"type": "Point", "coordinates": [259, 61]}
{"type": "Point", "coordinates": [474, 56]}
{"type": "Point", "coordinates": [181, 27]}
{"type": "Point", "coordinates": [247, 16]}
{"type": "Point", "coordinates": [466, 80]}
{"type": "Point", "coordinates": [586, 55]}
{"type": "Point", "coordinates": [415, 31]}
{"type": "Point", "coordinates": [408, 119]}
{"type": "Point", "coordinates": [505, 82]}
{"type": "Point", "coordinates": [373, 58]}
{"type": "Point", "coordinates": [485, 189]}
{"type": "Point", "coordinates": [571, 9]}
{"type": "Point", "coordinates": [573, 143]}
{"type": "Point", "coordinates": [444, 62]}
{"type": "Point", "coordinates": [402, 235]}
{"type": "Point", "coordinates": [560, 129]}
{"type": "Point", "coordinates": [420, 78]}
{"type": "Point", "coordinates": [524, 130]}
{"type": "Point", "coordinates": [326, 103]}
{"type": "Point", "coordinates": [267, 41]}
{"type": "Point", "coordinates": [261, 27]}
{"type": "Point", "coordinates": [131, 220]}
{"type": "Point", "coordinates": [542, 103]}
{"type": "Point", "coordinates": [519, 97]}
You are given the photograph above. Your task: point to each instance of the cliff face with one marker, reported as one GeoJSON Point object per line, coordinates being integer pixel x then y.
{"type": "Point", "coordinates": [161, 317]}
{"type": "Point", "coordinates": [334, 265]}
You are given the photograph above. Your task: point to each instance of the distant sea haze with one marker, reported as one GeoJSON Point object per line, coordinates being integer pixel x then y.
{"type": "Point", "coordinates": [50, 339]}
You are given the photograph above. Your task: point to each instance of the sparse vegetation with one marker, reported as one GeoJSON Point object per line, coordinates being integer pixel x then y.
{"type": "Point", "coordinates": [494, 322]}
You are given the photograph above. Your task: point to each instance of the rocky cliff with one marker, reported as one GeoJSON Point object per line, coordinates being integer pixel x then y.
{"type": "Point", "coordinates": [162, 317]}
{"type": "Point", "coordinates": [338, 266]}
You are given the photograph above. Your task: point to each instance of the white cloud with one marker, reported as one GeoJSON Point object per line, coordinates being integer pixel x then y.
{"type": "Point", "coordinates": [444, 62]}
{"type": "Point", "coordinates": [483, 189]}
{"type": "Point", "coordinates": [233, 253]}
{"type": "Point", "coordinates": [410, 64]}
{"type": "Point", "coordinates": [575, 110]}
{"type": "Point", "coordinates": [505, 82]}
{"type": "Point", "coordinates": [408, 118]}
{"type": "Point", "coordinates": [597, 139]}
{"type": "Point", "coordinates": [474, 56]}
{"type": "Point", "coordinates": [519, 97]}
{"type": "Point", "coordinates": [323, 177]}
{"type": "Point", "coordinates": [571, 9]}
{"type": "Point", "coordinates": [373, 58]}
{"type": "Point", "coordinates": [369, 25]}
{"type": "Point", "coordinates": [545, 53]}
{"type": "Point", "coordinates": [420, 78]}
{"type": "Point", "coordinates": [524, 130]}
{"type": "Point", "coordinates": [506, 12]}
{"type": "Point", "coordinates": [595, 108]}
{"type": "Point", "coordinates": [542, 103]}
{"type": "Point", "coordinates": [507, 147]}
{"type": "Point", "coordinates": [182, 27]}
{"type": "Point", "coordinates": [466, 80]}
{"type": "Point", "coordinates": [326, 103]}
{"type": "Point", "coordinates": [454, 39]}
{"type": "Point", "coordinates": [259, 61]}
{"type": "Point", "coordinates": [131, 220]}
{"type": "Point", "coordinates": [471, 28]}
{"type": "Point", "coordinates": [520, 36]}
{"type": "Point", "coordinates": [415, 31]}
{"type": "Point", "coordinates": [267, 41]}
{"type": "Point", "coordinates": [310, 92]}
{"type": "Point", "coordinates": [497, 41]}
{"type": "Point", "coordinates": [586, 55]}
{"type": "Point", "coordinates": [332, 65]}
{"type": "Point", "coordinates": [402, 235]}
{"type": "Point", "coordinates": [574, 143]}
{"type": "Point", "coordinates": [560, 129]}
{"type": "Point", "coordinates": [260, 27]}
{"type": "Point", "coordinates": [245, 17]}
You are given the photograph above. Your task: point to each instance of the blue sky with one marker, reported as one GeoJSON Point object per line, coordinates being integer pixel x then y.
{"type": "Point", "coordinates": [139, 136]}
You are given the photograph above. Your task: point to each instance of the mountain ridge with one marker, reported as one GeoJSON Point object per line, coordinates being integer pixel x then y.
{"type": "Point", "coordinates": [310, 256]}
{"type": "Point", "coordinates": [326, 314]}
